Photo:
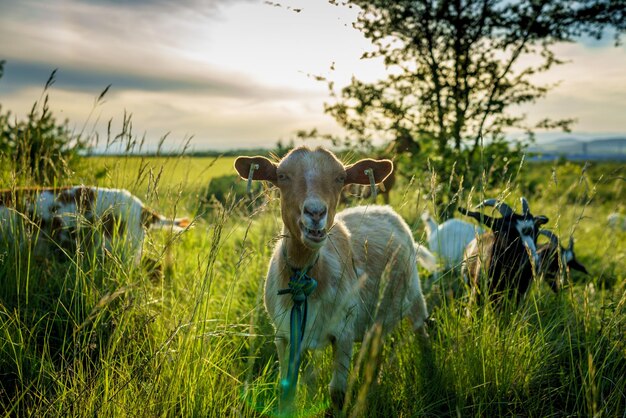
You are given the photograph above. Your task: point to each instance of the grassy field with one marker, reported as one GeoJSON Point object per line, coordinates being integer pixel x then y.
{"type": "Point", "coordinates": [96, 336]}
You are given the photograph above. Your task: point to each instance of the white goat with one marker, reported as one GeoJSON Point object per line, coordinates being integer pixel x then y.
{"type": "Point", "coordinates": [448, 240]}
{"type": "Point", "coordinates": [363, 258]}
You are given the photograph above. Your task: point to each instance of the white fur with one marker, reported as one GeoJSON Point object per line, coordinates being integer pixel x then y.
{"type": "Point", "coordinates": [448, 240]}
{"type": "Point", "coordinates": [374, 282]}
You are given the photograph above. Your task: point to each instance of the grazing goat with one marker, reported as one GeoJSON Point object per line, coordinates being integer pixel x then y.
{"type": "Point", "coordinates": [503, 254]}
{"type": "Point", "coordinates": [616, 221]}
{"type": "Point", "coordinates": [57, 217]}
{"type": "Point", "coordinates": [554, 260]}
{"type": "Point", "coordinates": [363, 258]}
{"type": "Point", "coordinates": [448, 240]}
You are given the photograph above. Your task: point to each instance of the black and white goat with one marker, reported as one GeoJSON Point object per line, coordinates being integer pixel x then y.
{"type": "Point", "coordinates": [555, 261]}
{"type": "Point", "coordinates": [507, 255]}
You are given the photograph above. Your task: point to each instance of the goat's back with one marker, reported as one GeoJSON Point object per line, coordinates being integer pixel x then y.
{"type": "Point", "coordinates": [377, 233]}
{"type": "Point", "coordinates": [384, 255]}
{"type": "Point", "coordinates": [450, 240]}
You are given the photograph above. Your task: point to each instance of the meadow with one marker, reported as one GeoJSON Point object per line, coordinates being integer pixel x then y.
{"type": "Point", "coordinates": [94, 335]}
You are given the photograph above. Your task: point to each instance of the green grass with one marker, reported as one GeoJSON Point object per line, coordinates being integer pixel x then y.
{"type": "Point", "coordinates": [99, 336]}
{"type": "Point", "coordinates": [135, 172]}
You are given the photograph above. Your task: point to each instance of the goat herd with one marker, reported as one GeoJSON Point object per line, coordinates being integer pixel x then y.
{"type": "Point", "coordinates": [508, 256]}
{"type": "Point", "coordinates": [359, 265]}
{"type": "Point", "coordinates": [349, 273]}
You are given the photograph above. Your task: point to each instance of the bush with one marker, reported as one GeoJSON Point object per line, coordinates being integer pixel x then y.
{"type": "Point", "coordinates": [38, 149]}
{"type": "Point", "coordinates": [230, 190]}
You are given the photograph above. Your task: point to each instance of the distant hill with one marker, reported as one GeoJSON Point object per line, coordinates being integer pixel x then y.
{"type": "Point", "coordinates": [579, 149]}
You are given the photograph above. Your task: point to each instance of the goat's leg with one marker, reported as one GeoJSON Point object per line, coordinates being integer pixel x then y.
{"type": "Point", "coordinates": [342, 353]}
{"type": "Point", "coordinates": [418, 318]}
{"type": "Point", "coordinates": [418, 312]}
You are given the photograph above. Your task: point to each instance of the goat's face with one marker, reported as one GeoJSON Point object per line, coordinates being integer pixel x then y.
{"type": "Point", "coordinates": [310, 183]}
{"type": "Point", "coordinates": [527, 229]}
{"type": "Point", "coordinates": [512, 226]}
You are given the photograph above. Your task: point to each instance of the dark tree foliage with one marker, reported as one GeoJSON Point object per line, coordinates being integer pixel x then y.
{"type": "Point", "coordinates": [456, 70]}
{"type": "Point", "coordinates": [38, 148]}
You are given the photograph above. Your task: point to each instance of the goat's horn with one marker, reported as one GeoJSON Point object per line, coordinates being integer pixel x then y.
{"type": "Point", "coordinates": [550, 235]}
{"type": "Point", "coordinates": [571, 243]}
{"type": "Point", "coordinates": [525, 206]}
{"type": "Point", "coordinates": [505, 210]}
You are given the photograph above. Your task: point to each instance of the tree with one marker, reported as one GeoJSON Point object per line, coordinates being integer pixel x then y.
{"type": "Point", "coordinates": [456, 69]}
{"type": "Point", "coordinates": [39, 148]}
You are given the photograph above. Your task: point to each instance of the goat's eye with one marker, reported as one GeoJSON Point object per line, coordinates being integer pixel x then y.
{"type": "Point", "coordinates": [282, 177]}
{"type": "Point", "coordinates": [341, 179]}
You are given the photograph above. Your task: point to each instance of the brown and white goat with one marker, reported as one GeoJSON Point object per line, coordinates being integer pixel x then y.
{"type": "Point", "coordinates": [56, 216]}
{"type": "Point", "coordinates": [503, 255]}
{"type": "Point", "coordinates": [363, 258]}
{"type": "Point", "coordinates": [555, 260]}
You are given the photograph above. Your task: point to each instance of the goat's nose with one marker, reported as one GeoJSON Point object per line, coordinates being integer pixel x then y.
{"type": "Point", "coordinates": [315, 211]}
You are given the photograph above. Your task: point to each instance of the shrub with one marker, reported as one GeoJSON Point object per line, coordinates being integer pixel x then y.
{"type": "Point", "coordinates": [38, 149]}
{"type": "Point", "coordinates": [230, 190]}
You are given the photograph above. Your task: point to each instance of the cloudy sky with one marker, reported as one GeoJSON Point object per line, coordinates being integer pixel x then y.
{"type": "Point", "coordinates": [233, 73]}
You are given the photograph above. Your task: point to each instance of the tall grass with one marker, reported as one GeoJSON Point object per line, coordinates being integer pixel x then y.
{"type": "Point", "coordinates": [93, 334]}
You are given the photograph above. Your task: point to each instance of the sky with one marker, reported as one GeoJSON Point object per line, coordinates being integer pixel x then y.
{"type": "Point", "coordinates": [224, 74]}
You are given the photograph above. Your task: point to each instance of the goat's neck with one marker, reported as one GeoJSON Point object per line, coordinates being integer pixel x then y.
{"type": "Point", "coordinates": [296, 254]}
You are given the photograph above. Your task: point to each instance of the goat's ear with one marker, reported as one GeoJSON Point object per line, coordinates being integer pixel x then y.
{"type": "Point", "coordinates": [266, 169]}
{"type": "Point", "coordinates": [355, 173]}
{"type": "Point", "coordinates": [574, 264]}
{"type": "Point", "coordinates": [540, 220]}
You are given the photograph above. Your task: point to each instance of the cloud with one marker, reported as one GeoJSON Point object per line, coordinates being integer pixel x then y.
{"type": "Point", "coordinates": [167, 4]}
{"type": "Point", "coordinates": [230, 72]}
{"type": "Point", "coordinates": [163, 68]}
{"type": "Point", "coordinates": [22, 74]}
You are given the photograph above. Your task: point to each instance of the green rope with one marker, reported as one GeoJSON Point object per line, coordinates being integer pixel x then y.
{"type": "Point", "coordinates": [301, 285]}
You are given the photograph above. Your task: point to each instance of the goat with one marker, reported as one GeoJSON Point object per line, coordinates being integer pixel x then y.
{"type": "Point", "coordinates": [448, 240]}
{"type": "Point", "coordinates": [554, 260]}
{"type": "Point", "coordinates": [503, 254]}
{"type": "Point", "coordinates": [58, 215]}
{"type": "Point", "coordinates": [616, 221]}
{"type": "Point", "coordinates": [364, 260]}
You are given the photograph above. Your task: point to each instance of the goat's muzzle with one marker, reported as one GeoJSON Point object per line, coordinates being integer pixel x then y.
{"type": "Point", "coordinates": [313, 220]}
